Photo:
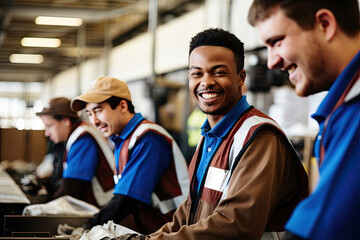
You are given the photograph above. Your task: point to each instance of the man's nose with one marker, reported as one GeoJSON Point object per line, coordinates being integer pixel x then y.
{"type": "Point", "coordinates": [47, 134]}
{"type": "Point", "coordinates": [207, 80]}
{"type": "Point", "coordinates": [273, 60]}
{"type": "Point", "coordinates": [94, 120]}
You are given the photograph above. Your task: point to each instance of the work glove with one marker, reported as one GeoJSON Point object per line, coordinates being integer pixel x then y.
{"type": "Point", "coordinates": [30, 184]}
{"type": "Point", "coordinates": [131, 236]}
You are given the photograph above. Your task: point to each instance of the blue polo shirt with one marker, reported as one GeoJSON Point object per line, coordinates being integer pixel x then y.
{"type": "Point", "coordinates": [82, 159]}
{"type": "Point", "coordinates": [148, 159]}
{"type": "Point", "coordinates": [332, 211]}
{"type": "Point", "coordinates": [214, 137]}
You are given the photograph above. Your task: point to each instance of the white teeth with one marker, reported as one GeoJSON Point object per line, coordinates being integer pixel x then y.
{"type": "Point", "coordinates": [291, 70]}
{"type": "Point", "coordinates": [209, 95]}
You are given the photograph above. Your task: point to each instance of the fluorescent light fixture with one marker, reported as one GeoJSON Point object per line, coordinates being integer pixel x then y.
{"type": "Point", "coordinates": [40, 42]}
{"type": "Point", "coordinates": [26, 58]}
{"type": "Point", "coordinates": [20, 124]}
{"type": "Point", "coordinates": [58, 21]}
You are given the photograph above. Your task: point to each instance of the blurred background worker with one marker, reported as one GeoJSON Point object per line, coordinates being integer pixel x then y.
{"type": "Point", "coordinates": [88, 159]}
{"type": "Point", "coordinates": [52, 180]}
{"type": "Point", "coordinates": [151, 172]}
{"type": "Point", "coordinates": [48, 174]}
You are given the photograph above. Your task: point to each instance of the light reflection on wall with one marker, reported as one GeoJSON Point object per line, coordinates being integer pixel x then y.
{"type": "Point", "coordinates": [19, 103]}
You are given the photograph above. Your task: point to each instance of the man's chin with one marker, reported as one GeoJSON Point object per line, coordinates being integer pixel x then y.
{"type": "Point", "coordinates": [106, 134]}
{"type": "Point", "coordinates": [213, 113]}
{"type": "Point", "coordinates": [302, 91]}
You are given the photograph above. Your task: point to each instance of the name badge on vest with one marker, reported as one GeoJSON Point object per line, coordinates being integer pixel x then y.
{"type": "Point", "coordinates": [117, 178]}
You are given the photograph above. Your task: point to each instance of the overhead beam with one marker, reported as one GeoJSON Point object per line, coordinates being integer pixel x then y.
{"type": "Point", "coordinates": [87, 14]}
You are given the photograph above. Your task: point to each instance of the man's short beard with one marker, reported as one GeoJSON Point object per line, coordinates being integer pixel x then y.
{"type": "Point", "coordinates": [211, 113]}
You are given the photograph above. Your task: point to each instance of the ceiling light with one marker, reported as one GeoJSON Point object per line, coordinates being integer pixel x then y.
{"type": "Point", "coordinates": [58, 21]}
{"type": "Point", "coordinates": [40, 42]}
{"type": "Point", "coordinates": [26, 58]}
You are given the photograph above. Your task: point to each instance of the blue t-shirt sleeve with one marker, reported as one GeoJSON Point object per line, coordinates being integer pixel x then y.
{"type": "Point", "coordinates": [82, 158]}
{"type": "Point", "coordinates": [149, 158]}
{"type": "Point", "coordinates": [332, 211]}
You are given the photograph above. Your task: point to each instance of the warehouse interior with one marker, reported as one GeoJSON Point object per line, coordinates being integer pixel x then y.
{"type": "Point", "coordinates": [142, 42]}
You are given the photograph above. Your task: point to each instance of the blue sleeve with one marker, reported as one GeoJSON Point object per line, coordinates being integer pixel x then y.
{"type": "Point", "coordinates": [82, 158]}
{"type": "Point", "coordinates": [332, 211]}
{"type": "Point", "coordinates": [149, 158]}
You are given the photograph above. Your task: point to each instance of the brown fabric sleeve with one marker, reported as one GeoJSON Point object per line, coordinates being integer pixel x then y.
{"type": "Point", "coordinates": [179, 219]}
{"type": "Point", "coordinates": [260, 181]}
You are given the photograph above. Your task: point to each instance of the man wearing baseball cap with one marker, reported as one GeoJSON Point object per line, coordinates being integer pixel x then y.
{"type": "Point", "coordinates": [88, 159]}
{"type": "Point", "coordinates": [151, 173]}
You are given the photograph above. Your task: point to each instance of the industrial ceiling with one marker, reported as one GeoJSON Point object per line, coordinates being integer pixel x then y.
{"type": "Point", "coordinates": [106, 23]}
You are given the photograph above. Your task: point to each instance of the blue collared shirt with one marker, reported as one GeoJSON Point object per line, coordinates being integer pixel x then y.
{"type": "Point", "coordinates": [119, 139]}
{"type": "Point", "coordinates": [82, 159]}
{"type": "Point", "coordinates": [149, 158]}
{"type": "Point", "coordinates": [213, 137]}
{"type": "Point", "coordinates": [332, 211]}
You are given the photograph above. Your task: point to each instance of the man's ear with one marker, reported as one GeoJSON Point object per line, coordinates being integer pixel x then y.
{"type": "Point", "coordinates": [241, 76]}
{"type": "Point", "coordinates": [123, 107]}
{"type": "Point", "coordinates": [326, 21]}
{"type": "Point", "coordinates": [67, 122]}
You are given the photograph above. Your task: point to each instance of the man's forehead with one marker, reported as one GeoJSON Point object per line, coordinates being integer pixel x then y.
{"type": "Point", "coordinates": [273, 25]}
{"type": "Point", "coordinates": [92, 106]}
{"type": "Point", "coordinates": [210, 53]}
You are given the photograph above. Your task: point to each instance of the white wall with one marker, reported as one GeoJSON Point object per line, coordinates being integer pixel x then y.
{"type": "Point", "coordinates": [172, 41]}
{"type": "Point", "coordinates": [132, 60]}
{"type": "Point", "coordinates": [241, 28]}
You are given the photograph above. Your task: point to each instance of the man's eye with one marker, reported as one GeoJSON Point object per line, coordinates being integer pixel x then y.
{"type": "Point", "coordinates": [220, 73]}
{"type": "Point", "coordinates": [98, 110]}
{"type": "Point", "coordinates": [196, 74]}
{"type": "Point", "coordinates": [272, 43]}
{"type": "Point", "coordinates": [276, 42]}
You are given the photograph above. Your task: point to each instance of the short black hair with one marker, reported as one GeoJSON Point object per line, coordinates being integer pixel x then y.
{"type": "Point", "coordinates": [114, 101]}
{"type": "Point", "coordinates": [221, 38]}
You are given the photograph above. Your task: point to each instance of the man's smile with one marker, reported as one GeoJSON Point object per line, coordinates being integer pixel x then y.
{"type": "Point", "coordinates": [209, 94]}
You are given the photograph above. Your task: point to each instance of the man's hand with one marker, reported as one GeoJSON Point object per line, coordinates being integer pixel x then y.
{"type": "Point", "coordinates": [30, 184]}
{"type": "Point", "coordinates": [131, 236]}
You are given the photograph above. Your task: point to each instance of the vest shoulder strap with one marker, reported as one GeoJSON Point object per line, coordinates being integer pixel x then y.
{"type": "Point", "coordinates": [130, 142]}
{"type": "Point", "coordinates": [101, 141]}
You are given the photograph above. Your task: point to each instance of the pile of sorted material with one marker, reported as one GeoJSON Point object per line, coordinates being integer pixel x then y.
{"type": "Point", "coordinates": [109, 230]}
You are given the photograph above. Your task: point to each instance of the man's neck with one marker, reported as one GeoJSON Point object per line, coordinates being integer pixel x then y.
{"type": "Point", "coordinates": [345, 50]}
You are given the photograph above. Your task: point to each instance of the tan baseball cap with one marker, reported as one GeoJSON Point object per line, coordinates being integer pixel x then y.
{"type": "Point", "coordinates": [58, 106]}
{"type": "Point", "coordinates": [101, 89]}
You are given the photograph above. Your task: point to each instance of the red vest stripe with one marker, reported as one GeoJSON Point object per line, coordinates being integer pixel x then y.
{"type": "Point", "coordinates": [173, 185]}
{"type": "Point", "coordinates": [219, 172]}
{"type": "Point", "coordinates": [102, 182]}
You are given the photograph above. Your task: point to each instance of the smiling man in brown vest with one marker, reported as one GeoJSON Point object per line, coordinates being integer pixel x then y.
{"type": "Point", "coordinates": [245, 177]}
